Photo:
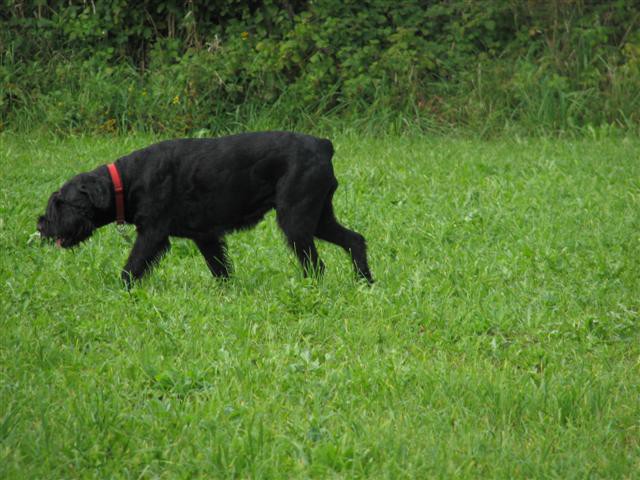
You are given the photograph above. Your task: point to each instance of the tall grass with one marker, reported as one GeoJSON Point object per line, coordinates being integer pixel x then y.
{"type": "Point", "coordinates": [522, 97]}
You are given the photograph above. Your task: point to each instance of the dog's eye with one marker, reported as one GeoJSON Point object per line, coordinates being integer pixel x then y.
{"type": "Point", "coordinates": [77, 203]}
{"type": "Point", "coordinates": [59, 202]}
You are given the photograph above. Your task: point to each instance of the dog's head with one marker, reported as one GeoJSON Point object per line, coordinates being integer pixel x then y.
{"type": "Point", "coordinates": [74, 211]}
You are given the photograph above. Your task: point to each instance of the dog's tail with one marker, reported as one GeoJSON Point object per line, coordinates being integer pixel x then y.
{"type": "Point", "coordinates": [326, 148]}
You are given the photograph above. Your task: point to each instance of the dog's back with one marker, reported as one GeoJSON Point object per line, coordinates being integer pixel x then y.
{"type": "Point", "coordinates": [240, 150]}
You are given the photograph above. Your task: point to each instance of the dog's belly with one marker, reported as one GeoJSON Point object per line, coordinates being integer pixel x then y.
{"type": "Point", "coordinates": [217, 214]}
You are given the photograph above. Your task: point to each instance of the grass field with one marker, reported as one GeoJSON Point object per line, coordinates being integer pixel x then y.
{"type": "Point", "coordinates": [502, 338]}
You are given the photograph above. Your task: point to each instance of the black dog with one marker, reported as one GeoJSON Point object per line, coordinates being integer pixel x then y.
{"type": "Point", "coordinates": [204, 188]}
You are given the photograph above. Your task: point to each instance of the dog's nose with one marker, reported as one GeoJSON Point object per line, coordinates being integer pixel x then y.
{"type": "Point", "coordinates": [40, 226]}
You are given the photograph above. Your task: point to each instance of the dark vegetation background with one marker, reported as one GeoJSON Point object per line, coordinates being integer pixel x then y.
{"type": "Point", "coordinates": [203, 66]}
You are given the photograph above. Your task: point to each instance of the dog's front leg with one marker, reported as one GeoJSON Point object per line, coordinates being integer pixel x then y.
{"type": "Point", "coordinates": [214, 251]}
{"type": "Point", "coordinates": [148, 249]}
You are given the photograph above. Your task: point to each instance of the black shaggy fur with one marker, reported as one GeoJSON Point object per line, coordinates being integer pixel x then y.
{"type": "Point", "coordinates": [203, 189]}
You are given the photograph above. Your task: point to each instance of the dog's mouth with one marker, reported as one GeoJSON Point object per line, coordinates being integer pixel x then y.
{"type": "Point", "coordinates": [60, 242]}
{"type": "Point", "coordinates": [63, 239]}
{"type": "Point", "coordinates": [64, 242]}
{"type": "Point", "coordinates": [57, 241]}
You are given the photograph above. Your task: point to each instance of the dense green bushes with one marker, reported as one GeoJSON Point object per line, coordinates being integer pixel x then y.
{"type": "Point", "coordinates": [187, 66]}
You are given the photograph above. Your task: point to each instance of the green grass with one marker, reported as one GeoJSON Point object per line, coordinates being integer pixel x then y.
{"type": "Point", "coordinates": [502, 338]}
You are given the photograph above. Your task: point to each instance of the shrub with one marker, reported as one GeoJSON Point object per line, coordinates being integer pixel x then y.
{"type": "Point", "coordinates": [182, 67]}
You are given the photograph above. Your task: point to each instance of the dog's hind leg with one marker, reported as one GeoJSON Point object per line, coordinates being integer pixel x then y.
{"type": "Point", "coordinates": [214, 251]}
{"type": "Point", "coordinates": [330, 230]}
{"type": "Point", "coordinates": [305, 250]}
{"type": "Point", "coordinates": [298, 222]}
{"type": "Point", "coordinates": [148, 249]}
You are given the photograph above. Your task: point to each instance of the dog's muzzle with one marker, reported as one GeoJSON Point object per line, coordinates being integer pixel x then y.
{"type": "Point", "coordinates": [45, 235]}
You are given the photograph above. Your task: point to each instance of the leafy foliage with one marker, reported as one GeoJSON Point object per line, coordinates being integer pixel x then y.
{"type": "Point", "coordinates": [183, 66]}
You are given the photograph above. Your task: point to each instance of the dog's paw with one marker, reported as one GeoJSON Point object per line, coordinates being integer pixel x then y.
{"type": "Point", "coordinates": [127, 280]}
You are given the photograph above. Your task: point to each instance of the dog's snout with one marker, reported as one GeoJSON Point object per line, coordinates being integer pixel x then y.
{"type": "Point", "coordinates": [42, 224]}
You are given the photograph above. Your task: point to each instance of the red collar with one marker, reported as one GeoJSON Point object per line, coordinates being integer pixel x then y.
{"type": "Point", "coordinates": [117, 186]}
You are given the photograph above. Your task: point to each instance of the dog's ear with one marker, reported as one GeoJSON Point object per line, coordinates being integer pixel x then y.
{"type": "Point", "coordinates": [97, 189]}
